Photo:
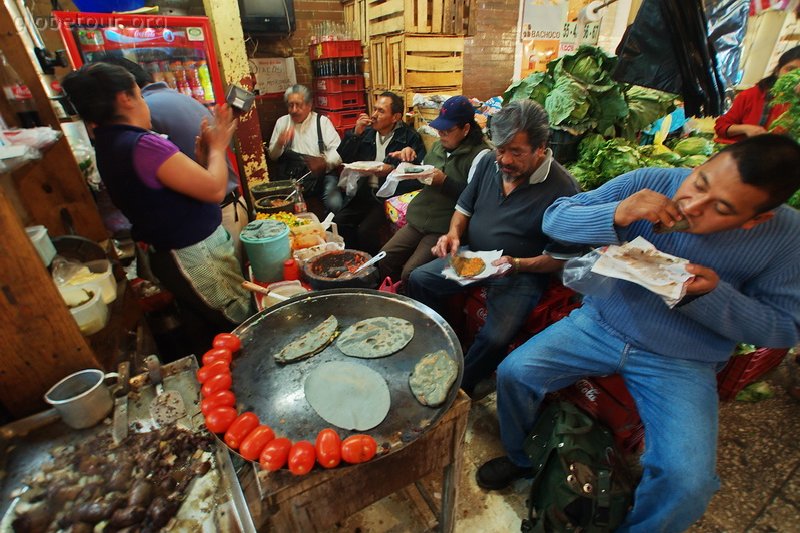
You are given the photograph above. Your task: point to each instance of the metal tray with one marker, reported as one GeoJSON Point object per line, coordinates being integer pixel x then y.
{"type": "Point", "coordinates": [25, 444]}
{"type": "Point", "coordinates": [275, 392]}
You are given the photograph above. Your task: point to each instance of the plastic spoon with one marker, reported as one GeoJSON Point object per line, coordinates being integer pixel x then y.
{"type": "Point", "coordinates": [380, 255]}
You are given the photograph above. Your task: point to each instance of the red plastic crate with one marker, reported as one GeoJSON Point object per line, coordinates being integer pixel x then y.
{"type": "Point", "coordinates": [343, 119]}
{"type": "Point", "coordinates": [744, 369]}
{"type": "Point", "coordinates": [607, 399]}
{"type": "Point", "coordinates": [339, 84]}
{"type": "Point", "coordinates": [339, 101]}
{"type": "Point", "coordinates": [329, 49]}
{"type": "Point", "coordinates": [342, 130]}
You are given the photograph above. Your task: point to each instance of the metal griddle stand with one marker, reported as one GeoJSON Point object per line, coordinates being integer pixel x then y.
{"type": "Point", "coordinates": [280, 501]}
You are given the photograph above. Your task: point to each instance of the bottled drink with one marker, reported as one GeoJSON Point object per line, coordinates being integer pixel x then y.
{"type": "Point", "coordinates": [180, 78]}
{"type": "Point", "coordinates": [169, 77]}
{"type": "Point", "coordinates": [18, 95]}
{"type": "Point", "coordinates": [193, 78]}
{"type": "Point", "coordinates": [291, 270]}
{"type": "Point", "coordinates": [154, 70]}
{"type": "Point", "coordinates": [300, 202]}
{"type": "Point", "coordinates": [205, 80]}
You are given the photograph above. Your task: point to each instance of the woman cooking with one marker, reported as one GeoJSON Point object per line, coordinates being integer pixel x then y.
{"type": "Point", "coordinates": [171, 201]}
{"type": "Point", "coordinates": [752, 113]}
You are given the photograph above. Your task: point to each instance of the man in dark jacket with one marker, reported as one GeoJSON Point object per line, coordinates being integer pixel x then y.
{"type": "Point", "coordinates": [372, 139]}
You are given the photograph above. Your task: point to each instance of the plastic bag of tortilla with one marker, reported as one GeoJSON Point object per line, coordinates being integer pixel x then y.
{"type": "Point", "coordinates": [578, 276]}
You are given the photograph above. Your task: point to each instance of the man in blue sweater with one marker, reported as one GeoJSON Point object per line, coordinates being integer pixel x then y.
{"type": "Point", "coordinates": [744, 251]}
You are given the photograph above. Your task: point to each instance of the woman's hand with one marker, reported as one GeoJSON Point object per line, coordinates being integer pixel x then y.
{"type": "Point", "coordinates": [748, 130]}
{"type": "Point", "coordinates": [218, 136]}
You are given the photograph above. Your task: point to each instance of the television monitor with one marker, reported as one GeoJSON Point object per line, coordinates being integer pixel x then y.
{"type": "Point", "coordinates": [267, 17]}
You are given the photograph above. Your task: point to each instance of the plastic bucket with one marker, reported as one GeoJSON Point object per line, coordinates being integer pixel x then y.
{"type": "Point", "coordinates": [564, 145]}
{"type": "Point", "coordinates": [267, 245]}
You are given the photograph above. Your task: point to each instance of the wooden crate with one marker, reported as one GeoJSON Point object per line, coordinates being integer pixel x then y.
{"type": "Point", "coordinates": [355, 14]}
{"type": "Point", "coordinates": [445, 17]}
{"type": "Point", "coordinates": [421, 63]}
{"type": "Point", "coordinates": [378, 69]}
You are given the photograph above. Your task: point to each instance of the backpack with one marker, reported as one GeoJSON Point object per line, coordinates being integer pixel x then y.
{"type": "Point", "coordinates": [581, 482]}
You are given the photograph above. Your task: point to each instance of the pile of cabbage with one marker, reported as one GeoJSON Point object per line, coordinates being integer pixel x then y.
{"type": "Point", "coordinates": [600, 160]}
{"type": "Point", "coordinates": [579, 95]}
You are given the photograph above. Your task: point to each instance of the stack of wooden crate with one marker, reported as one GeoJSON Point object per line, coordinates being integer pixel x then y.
{"type": "Point", "coordinates": [413, 46]}
{"type": "Point", "coordinates": [338, 83]}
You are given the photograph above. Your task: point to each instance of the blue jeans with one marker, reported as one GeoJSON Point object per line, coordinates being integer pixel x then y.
{"type": "Point", "coordinates": [676, 399]}
{"type": "Point", "coordinates": [332, 197]}
{"type": "Point", "coordinates": [509, 301]}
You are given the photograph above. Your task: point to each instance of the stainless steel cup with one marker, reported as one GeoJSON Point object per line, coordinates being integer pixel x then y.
{"type": "Point", "coordinates": [82, 399]}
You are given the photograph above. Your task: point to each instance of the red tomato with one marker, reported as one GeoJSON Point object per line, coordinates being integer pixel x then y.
{"type": "Point", "coordinates": [328, 448]}
{"type": "Point", "coordinates": [240, 428]}
{"type": "Point", "coordinates": [358, 448]}
{"type": "Point", "coordinates": [301, 458]}
{"type": "Point", "coordinates": [217, 354]}
{"type": "Point", "coordinates": [222, 398]}
{"type": "Point", "coordinates": [227, 340]}
{"type": "Point", "coordinates": [214, 368]}
{"type": "Point", "coordinates": [220, 419]}
{"type": "Point", "coordinates": [216, 383]}
{"type": "Point", "coordinates": [275, 453]}
{"type": "Point", "coordinates": [255, 441]}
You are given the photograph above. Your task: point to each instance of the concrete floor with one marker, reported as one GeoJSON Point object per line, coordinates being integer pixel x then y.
{"type": "Point", "coordinates": [759, 463]}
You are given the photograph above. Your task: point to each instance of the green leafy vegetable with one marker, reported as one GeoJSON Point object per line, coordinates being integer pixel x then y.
{"type": "Point", "coordinates": [783, 92]}
{"type": "Point", "coordinates": [755, 392]}
{"type": "Point", "coordinates": [694, 146]}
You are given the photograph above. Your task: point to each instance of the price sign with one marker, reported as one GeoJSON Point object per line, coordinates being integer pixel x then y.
{"type": "Point", "coordinates": [274, 74]}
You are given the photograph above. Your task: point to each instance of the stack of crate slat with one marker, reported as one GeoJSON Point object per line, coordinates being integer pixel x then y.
{"type": "Point", "coordinates": [415, 46]}
{"type": "Point", "coordinates": [338, 84]}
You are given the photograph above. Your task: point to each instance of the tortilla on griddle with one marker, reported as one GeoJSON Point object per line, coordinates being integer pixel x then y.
{"type": "Point", "coordinates": [432, 378]}
{"type": "Point", "coordinates": [376, 337]}
{"type": "Point", "coordinates": [309, 343]}
{"type": "Point", "coordinates": [348, 395]}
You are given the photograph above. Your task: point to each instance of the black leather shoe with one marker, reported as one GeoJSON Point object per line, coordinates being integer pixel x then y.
{"type": "Point", "coordinates": [499, 473]}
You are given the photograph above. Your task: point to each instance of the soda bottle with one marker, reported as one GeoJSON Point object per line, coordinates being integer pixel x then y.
{"type": "Point", "coordinates": [18, 95]}
{"type": "Point", "coordinates": [299, 202]}
{"type": "Point", "coordinates": [205, 79]}
{"type": "Point", "coordinates": [193, 78]}
{"type": "Point", "coordinates": [169, 77]}
{"type": "Point", "coordinates": [180, 78]}
{"type": "Point", "coordinates": [155, 71]}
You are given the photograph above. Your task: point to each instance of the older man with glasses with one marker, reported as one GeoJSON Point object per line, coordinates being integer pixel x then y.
{"type": "Point", "coordinates": [502, 208]}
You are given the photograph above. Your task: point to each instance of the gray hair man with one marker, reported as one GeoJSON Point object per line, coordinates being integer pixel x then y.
{"type": "Point", "coordinates": [305, 142]}
{"type": "Point", "coordinates": [502, 208]}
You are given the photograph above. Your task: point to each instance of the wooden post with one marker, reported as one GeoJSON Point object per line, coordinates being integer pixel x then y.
{"type": "Point", "coordinates": [232, 56]}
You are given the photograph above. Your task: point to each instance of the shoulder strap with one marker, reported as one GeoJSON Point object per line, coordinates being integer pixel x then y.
{"type": "Point", "coordinates": [320, 142]}
{"type": "Point", "coordinates": [766, 110]}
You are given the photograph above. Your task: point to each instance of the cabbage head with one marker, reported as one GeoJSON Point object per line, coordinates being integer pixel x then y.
{"type": "Point", "coordinates": [589, 65]}
{"type": "Point", "coordinates": [535, 86]}
{"type": "Point", "coordinates": [691, 161]}
{"type": "Point", "coordinates": [567, 104]}
{"type": "Point", "coordinates": [694, 146]}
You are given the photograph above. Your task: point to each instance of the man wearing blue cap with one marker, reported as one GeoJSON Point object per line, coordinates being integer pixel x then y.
{"type": "Point", "coordinates": [454, 157]}
{"type": "Point", "coordinates": [502, 208]}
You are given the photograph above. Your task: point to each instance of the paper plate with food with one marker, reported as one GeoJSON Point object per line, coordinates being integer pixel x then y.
{"type": "Point", "coordinates": [467, 266]}
{"type": "Point", "coordinates": [364, 166]}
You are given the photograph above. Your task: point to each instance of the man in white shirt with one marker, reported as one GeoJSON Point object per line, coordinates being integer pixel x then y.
{"type": "Point", "coordinates": [304, 141]}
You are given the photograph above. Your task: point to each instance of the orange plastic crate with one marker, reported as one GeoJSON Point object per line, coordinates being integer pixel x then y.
{"type": "Point", "coordinates": [744, 369]}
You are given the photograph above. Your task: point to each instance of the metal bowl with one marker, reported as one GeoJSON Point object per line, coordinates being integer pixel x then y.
{"type": "Point", "coordinates": [274, 204]}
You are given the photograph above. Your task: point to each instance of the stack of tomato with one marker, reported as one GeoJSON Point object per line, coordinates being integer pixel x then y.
{"type": "Point", "coordinates": [256, 441]}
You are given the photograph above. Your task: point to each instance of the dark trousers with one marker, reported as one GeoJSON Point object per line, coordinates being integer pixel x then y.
{"type": "Point", "coordinates": [361, 221]}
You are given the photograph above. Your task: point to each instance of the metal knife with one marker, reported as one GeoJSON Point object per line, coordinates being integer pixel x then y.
{"type": "Point", "coordinates": [119, 428]}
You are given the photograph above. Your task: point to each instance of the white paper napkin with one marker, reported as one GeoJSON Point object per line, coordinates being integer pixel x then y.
{"type": "Point", "coordinates": [490, 270]}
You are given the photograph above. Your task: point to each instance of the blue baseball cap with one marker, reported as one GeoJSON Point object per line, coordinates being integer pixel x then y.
{"type": "Point", "coordinates": [456, 111]}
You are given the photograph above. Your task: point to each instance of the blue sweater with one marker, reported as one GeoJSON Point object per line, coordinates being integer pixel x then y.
{"type": "Point", "coordinates": [757, 300]}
